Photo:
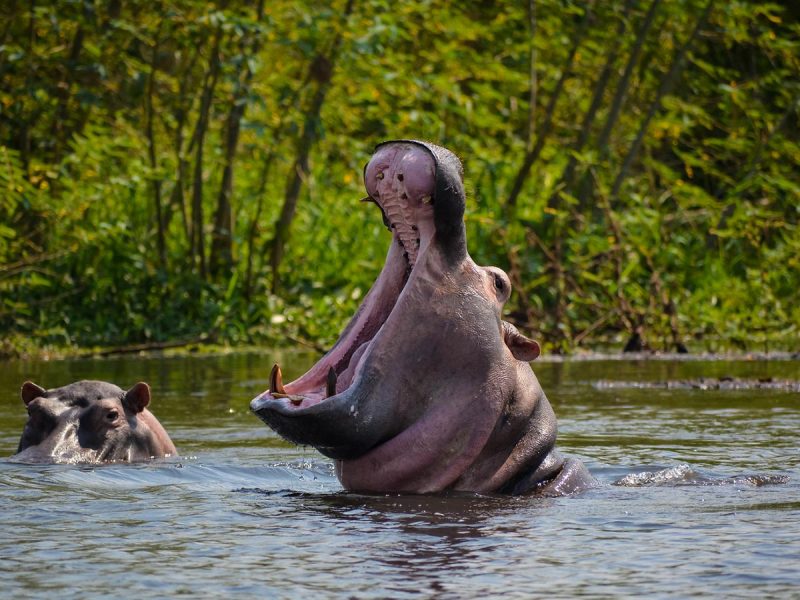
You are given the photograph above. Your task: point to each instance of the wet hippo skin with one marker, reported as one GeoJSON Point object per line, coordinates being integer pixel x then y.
{"type": "Point", "coordinates": [427, 388]}
{"type": "Point", "coordinates": [90, 422]}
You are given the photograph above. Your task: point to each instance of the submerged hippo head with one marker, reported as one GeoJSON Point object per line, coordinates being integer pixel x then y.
{"type": "Point", "coordinates": [427, 388]}
{"type": "Point", "coordinates": [90, 422]}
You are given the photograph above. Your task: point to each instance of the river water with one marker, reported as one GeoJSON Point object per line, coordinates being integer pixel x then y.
{"type": "Point", "coordinates": [699, 495]}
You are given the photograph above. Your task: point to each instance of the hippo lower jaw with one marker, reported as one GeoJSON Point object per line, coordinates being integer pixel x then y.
{"type": "Point", "coordinates": [336, 387]}
{"type": "Point", "coordinates": [338, 369]}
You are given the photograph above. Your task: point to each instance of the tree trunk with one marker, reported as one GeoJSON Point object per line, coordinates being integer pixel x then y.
{"type": "Point", "coordinates": [618, 100]}
{"type": "Point", "coordinates": [177, 195]}
{"type": "Point", "coordinates": [533, 78]}
{"type": "Point", "coordinates": [151, 151]}
{"type": "Point", "coordinates": [664, 88]}
{"type": "Point", "coordinates": [197, 250]}
{"type": "Point", "coordinates": [321, 70]}
{"type": "Point", "coordinates": [64, 87]}
{"type": "Point", "coordinates": [624, 82]}
{"type": "Point", "coordinates": [221, 259]}
{"type": "Point", "coordinates": [533, 154]}
{"type": "Point", "coordinates": [25, 133]}
{"type": "Point", "coordinates": [266, 167]}
{"type": "Point", "coordinates": [588, 120]}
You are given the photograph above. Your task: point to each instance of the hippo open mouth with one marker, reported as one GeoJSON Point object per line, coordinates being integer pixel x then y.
{"type": "Point", "coordinates": [426, 388]}
{"type": "Point", "coordinates": [402, 179]}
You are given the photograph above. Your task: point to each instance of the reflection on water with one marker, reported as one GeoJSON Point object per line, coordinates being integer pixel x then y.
{"type": "Point", "coordinates": [702, 505]}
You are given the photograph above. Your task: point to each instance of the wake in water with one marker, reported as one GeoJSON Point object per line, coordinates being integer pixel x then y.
{"type": "Point", "coordinates": [684, 475]}
{"type": "Point", "coordinates": [704, 383]}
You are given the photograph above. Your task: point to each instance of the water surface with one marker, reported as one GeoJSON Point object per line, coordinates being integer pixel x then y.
{"type": "Point", "coordinates": [702, 510]}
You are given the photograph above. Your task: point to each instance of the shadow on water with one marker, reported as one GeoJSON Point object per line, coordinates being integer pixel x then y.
{"type": "Point", "coordinates": [415, 543]}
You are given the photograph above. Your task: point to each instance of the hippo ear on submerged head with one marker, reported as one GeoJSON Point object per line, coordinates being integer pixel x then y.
{"type": "Point", "coordinates": [137, 398]}
{"type": "Point", "coordinates": [523, 348]}
{"type": "Point", "coordinates": [30, 391]}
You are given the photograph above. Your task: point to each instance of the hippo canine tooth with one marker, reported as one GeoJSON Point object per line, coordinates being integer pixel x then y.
{"type": "Point", "coordinates": [276, 381]}
{"type": "Point", "coordinates": [331, 383]}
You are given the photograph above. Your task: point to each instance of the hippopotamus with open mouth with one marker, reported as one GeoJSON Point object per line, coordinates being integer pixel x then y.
{"type": "Point", "coordinates": [90, 422]}
{"type": "Point", "coordinates": [427, 389]}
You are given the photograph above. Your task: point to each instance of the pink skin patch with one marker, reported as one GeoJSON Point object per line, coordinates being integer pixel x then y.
{"type": "Point", "coordinates": [401, 179]}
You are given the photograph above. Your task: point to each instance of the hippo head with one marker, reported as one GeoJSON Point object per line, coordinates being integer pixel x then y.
{"type": "Point", "coordinates": [90, 422]}
{"type": "Point", "coordinates": [427, 388]}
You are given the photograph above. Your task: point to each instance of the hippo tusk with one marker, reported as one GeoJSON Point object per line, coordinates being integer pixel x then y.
{"type": "Point", "coordinates": [331, 384]}
{"type": "Point", "coordinates": [275, 381]}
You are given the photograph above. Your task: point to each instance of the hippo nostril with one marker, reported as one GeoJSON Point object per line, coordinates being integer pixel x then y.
{"type": "Point", "coordinates": [399, 177]}
{"type": "Point", "coordinates": [404, 196]}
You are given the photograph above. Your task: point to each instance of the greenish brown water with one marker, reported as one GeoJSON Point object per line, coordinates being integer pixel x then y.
{"type": "Point", "coordinates": [241, 513]}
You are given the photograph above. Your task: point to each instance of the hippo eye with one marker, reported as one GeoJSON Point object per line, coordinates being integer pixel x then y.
{"type": "Point", "coordinates": [112, 415]}
{"type": "Point", "coordinates": [499, 283]}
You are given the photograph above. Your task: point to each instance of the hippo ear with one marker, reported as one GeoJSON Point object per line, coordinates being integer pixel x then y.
{"type": "Point", "coordinates": [523, 348]}
{"type": "Point", "coordinates": [137, 398]}
{"type": "Point", "coordinates": [30, 391]}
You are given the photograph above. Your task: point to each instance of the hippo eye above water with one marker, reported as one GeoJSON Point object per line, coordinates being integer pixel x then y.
{"type": "Point", "coordinates": [112, 415]}
{"type": "Point", "coordinates": [499, 283]}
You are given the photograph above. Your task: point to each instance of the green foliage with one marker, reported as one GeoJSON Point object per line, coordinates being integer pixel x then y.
{"type": "Point", "coordinates": [117, 122]}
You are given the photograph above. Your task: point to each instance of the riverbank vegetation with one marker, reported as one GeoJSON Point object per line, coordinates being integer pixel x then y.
{"type": "Point", "coordinates": [181, 171]}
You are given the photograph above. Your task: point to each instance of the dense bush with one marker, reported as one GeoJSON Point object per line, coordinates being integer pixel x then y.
{"type": "Point", "coordinates": [185, 170]}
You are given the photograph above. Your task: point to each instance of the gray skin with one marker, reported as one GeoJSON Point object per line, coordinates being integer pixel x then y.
{"type": "Point", "coordinates": [427, 389]}
{"type": "Point", "coordinates": [90, 422]}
